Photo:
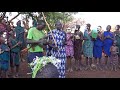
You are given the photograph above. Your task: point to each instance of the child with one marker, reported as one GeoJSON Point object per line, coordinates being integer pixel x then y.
{"type": "Point", "coordinates": [14, 54]}
{"type": "Point", "coordinates": [114, 56]}
{"type": "Point", "coordinates": [4, 58]}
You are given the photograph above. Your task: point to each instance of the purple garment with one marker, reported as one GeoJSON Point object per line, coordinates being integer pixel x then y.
{"type": "Point", "coordinates": [69, 46]}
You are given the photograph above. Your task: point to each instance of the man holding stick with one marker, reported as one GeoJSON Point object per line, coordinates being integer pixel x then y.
{"type": "Point", "coordinates": [58, 49]}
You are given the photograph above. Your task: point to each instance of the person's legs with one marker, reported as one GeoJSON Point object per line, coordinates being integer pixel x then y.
{"type": "Point", "coordinates": [71, 64]}
{"type": "Point", "coordinates": [119, 61]}
{"type": "Point", "coordinates": [80, 63]}
{"type": "Point", "coordinates": [12, 57]}
{"type": "Point", "coordinates": [61, 68]}
{"type": "Point", "coordinates": [100, 63]}
{"type": "Point", "coordinates": [4, 68]}
{"type": "Point", "coordinates": [106, 62]}
{"type": "Point", "coordinates": [90, 63]}
{"type": "Point", "coordinates": [68, 63]}
{"type": "Point", "coordinates": [87, 63]}
{"type": "Point", "coordinates": [17, 70]}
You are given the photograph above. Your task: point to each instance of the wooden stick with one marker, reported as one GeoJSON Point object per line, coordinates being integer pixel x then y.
{"type": "Point", "coordinates": [49, 29]}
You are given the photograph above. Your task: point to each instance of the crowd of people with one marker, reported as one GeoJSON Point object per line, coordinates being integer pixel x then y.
{"type": "Point", "coordinates": [94, 45]}
{"type": "Point", "coordinates": [59, 43]}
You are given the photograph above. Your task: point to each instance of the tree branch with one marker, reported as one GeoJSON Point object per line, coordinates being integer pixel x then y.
{"type": "Point", "coordinates": [14, 17]}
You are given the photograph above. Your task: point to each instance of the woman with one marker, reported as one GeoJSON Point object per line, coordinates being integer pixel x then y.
{"type": "Point", "coordinates": [97, 49]}
{"type": "Point", "coordinates": [78, 39]}
{"type": "Point", "coordinates": [107, 43]}
{"type": "Point", "coordinates": [69, 49]}
{"type": "Point", "coordinates": [88, 47]}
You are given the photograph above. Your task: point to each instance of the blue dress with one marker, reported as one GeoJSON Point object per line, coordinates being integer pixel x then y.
{"type": "Point", "coordinates": [15, 53]}
{"type": "Point", "coordinates": [97, 48]}
{"type": "Point", "coordinates": [20, 35]}
{"type": "Point", "coordinates": [60, 54]}
{"type": "Point", "coordinates": [107, 43]}
{"type": "Point", "coordinates": [4, 58]}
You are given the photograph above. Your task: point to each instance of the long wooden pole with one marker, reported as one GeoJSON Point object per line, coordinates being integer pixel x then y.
{"type": "Point", "coordinates": [49, 29]}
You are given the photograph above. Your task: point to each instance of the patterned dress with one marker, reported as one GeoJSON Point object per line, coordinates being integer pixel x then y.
{"type": "Point", "coordinates": [69, 46]}
{"type": "Point", "coordinates": [60, 54]}
{"type": "Point", "coordinates": [88, 45]}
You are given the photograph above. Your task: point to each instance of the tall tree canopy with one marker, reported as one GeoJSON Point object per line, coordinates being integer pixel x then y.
{"type": "Point", "coordinates": [51, 17]}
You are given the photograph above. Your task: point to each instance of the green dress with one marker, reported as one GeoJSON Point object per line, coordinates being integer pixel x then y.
{"type": "Point", "coordinates": [88, 45]}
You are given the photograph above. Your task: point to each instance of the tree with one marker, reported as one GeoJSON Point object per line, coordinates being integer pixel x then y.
{"type": "Point", "coordinates": [51, 17]}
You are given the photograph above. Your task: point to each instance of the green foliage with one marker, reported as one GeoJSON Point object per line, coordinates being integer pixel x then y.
{"type": "Point", "coordinates": [51, 17]}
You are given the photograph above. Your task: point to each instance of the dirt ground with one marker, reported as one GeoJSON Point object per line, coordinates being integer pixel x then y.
{"type": "Point", "coordinates": [76, 74]}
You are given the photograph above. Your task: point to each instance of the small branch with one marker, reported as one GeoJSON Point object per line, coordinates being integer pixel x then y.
{"type": "Point", "coordinates": [14, 17]}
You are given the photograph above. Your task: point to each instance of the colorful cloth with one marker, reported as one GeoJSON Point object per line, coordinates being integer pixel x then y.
{"type": "Point", "coordinates": [4, 57]}
{"type": "Point", "coordinates": [94, 33]}
{"type": "Point", "coordinates": [35, 34]}
{"type": "Point", "coordinates": [87, 45]}
{"type": "Point", "coordinates": [107, 43]}
{"type": "Point", "coordinates": [97, 48]}
{"type": "Point", "coordinates": [69, 46]}
{"type": "Point", "coordinates": [60, 54]}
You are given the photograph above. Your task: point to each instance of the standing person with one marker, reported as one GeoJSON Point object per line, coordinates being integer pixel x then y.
{"type": "Point", "coordinates": [14, 54]}
{"type": "Point", "coordinates": [117, 38]}
{"type": "Point", "coordinates": [59, 51]}
{"type": "Point", "coordinates": [19, 31]}
{"type": "Point", "coordinates": [100, 29]}
{"type": "Point", "coordinates": [4, 58]}
{"type": "Point", "coordinates": [4, 28]}
{"type": "Point", "coordinates": [97, 49]}
{"type": "Point", "coordinates": [108, 39]}
{"type": "Point", "coordinates": [78, 39]}
{"type": "Point", "coordinates": [88, 47]}
{"type": "Point", "coordinates": [33, 40]}
{"type": "Point", "coordinates": [69, 49]}
{"type": "Point", "coordinates": [33, 37]}
{"type": "Point", "coordinates": [114, 56]}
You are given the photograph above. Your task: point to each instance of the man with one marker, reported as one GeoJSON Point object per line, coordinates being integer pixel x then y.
{"type": "Point", "coordinates": [33, 37]}
{"type": "Point", "coordinates": [117, 38]}
{"type": "Point", "coordinates": [59, 50]}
